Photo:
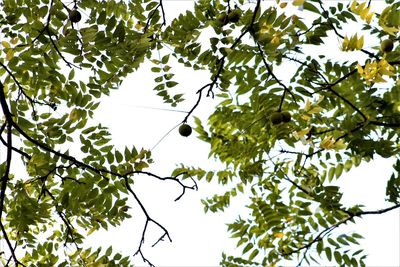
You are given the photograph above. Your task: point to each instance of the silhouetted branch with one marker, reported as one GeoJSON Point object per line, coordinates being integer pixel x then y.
{"type": "Point", "coordinates": [4, 180]}
{"type": "Point", "coordinates": [11, 248]}
{"type": "Point", "coordinates": [67, 223]}
{"type": "Point", "coordinates": [220, 64]}
{"type": "Point", "coordinates": [22, 153]}
{"type": "Point", "coordinates": [270, 72]}
{"type": "Point", "coordinates": [148, 219]}
{"type": "Point", "coordinates": [330, 23]}
{"type": "Point", "coordinates": [326, 231]}
{"type": "Point", "coordinates": [152, 13]}
{"type": "Point", "coordinates": [101, 171]}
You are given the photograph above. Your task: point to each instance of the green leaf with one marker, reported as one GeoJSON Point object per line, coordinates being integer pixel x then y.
{"type": "Point", "coordinates": [338, 257]}
{"type": "Point", "coordinates": [119, 32]}
{"type": "Point", "coordinates": [253, 254]}
{"type": "Point", "coordinates": [328, 253]}
{"type": "Point", "coordinates": [310, 7]}
{"type": "Point", "coordinates": [102, 17]}
{"type": "Point", "coordinates": [247, 248]}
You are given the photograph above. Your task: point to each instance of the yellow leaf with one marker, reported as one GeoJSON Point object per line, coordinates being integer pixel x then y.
{"type": "Point", "coordinates": [345, 43]}
{"type": "Point", "coordinates": [339, 145]}
{"type": "Point", "coordinates": [383, 22]}
{"type": "Point", "coordinates": [308, 105]}
{"type": "Point", "coordinates": [385, 68]}
{"type": "Point", "coordinates": [305, 117]}
{"type": "Point", "coordinates": [5, 44]}
{"type": "Point", "coordinates": [327, 143]}
{"type": "Point", "coordinates": [360, 8]}
{"type": "Point", "coordinates": [360, 43]}
{"type": "Point", "coordinates": [378, 79]}
{"type": "Point", "coordinates": [10, 54]}
{"type": "Point", "coordinates": [353, 5]}
{"type": "Point", "coordinates": [283, 5]}
{"type": "Point", "coordinates": [275, 40]}
{"type": "Point", "coordinates": [386, 72]}
{"type": "Point", "coordinates": [279, 235]}
{"type": "Point", "coordinates": [368, 18]}
{"type": "Point", "coordinates": [96, 264]}
{"type": "Point", "coordinates": [298, 2]}
{"type": "Point", "coordinates": [73, 116]}
{"type": "Point", "coordinates": [362, 11]}
{"type": "Point", "coordinates": [316, 109]}
{"type": "Point", "coordinates": [390, 30]}
{"type": "Point", "coordinates": [14, 40]}
{"type": "Point", "coordinates": [360, 69]}
{"type": "Point", "coordinates": [91, 231]}
{"type": "Point", "coordinates": [301, 133]}
{"type": "Point", "coordinates": [139, 25]}
{"type": "Point", "coordinates": [354, 43]}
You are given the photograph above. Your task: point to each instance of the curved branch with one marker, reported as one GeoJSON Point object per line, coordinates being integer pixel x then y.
{"type": "Point", "coordinates": [351, 216]}
{"type": "Point", "coordinates": [4, 142]}
{"type": "Point", "coordinates": [270, 72]}
{"type": "Point", "coordinates": [174, 178]}
{"type": "Point", "coordinates": [5, 177]}
{"type": "Point", "coordinates": [330, 23]}
{"type": "Point", "coordinates": [221, 62]}
{"type": "Point", "coordinates": [67, 223]}
{"type": "Point", "coordinates": [148, 219]}
{"type": "Point", "coordinates": [101, 172]}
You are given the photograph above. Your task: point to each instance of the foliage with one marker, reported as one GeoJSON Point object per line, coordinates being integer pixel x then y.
{"type": "Point", "coordinates": [65, 194]}
{"type": "Point", "coordinates": [342, 112]}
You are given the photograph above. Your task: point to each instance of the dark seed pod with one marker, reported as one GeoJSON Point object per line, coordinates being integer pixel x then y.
{"type": "Point", "coordinates": [75, 16]}
{"type": "Point", "coordinates": [185, 130]}
{"type": "Point", "coordinates": [387, 45]}
{"type": "Point", "coordinates": [276, 118]}
{"type": "Point", "coordinates": [286, 117]}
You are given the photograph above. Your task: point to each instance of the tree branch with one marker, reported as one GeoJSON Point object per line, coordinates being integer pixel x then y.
{"type": "Point", "coordinates": [326, 231]}
{"type": "Point", "coordinates": [220, 63]}
{"type": "Point", "coordinates": [101, 172]}
{"type": "Point", "coordinates": [152, 13]}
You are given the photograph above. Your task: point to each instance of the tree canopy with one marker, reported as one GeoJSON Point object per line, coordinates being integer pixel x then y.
{"type": "Point", "coordinates": [283, 140]}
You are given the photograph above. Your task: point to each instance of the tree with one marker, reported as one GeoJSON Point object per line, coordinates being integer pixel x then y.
{"type": "Point", "coordinates": [283, 139]}
{"type": "Point", "coordinates": [62, 193]}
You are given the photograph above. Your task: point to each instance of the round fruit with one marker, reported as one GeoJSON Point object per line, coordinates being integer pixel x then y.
{"type": "Point", "coordinates": [222, 19]}
{"type": "Point", "coordinates": [185, 130]}
{"type": "Point", "coordinates": [75, 16]}
{"type": "Point", "coordinates": [276, 117]}
{"type": "Point", "coordinates": [387, 45]}
{"type": "Point", "coordinates": [286, 117]}
{"type": "Point", "coordinates": [234, 15]}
